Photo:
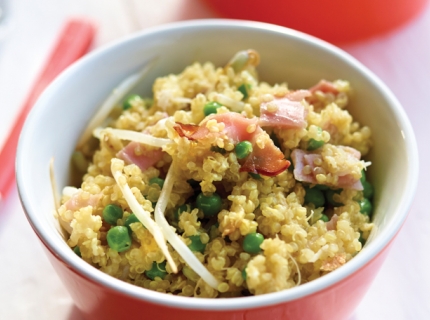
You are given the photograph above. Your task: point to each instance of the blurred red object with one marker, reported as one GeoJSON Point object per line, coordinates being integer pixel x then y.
{"type": "Point", "coordinates": [73, 42]}
{"type": "Point", "coordinates": [336, 21]}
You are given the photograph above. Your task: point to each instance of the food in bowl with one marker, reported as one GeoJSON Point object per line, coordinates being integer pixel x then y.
{"type": "Point", "coordinates": [257, 188]}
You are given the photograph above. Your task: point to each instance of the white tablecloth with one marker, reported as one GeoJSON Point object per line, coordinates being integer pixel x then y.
{"type": "Point", "coordinates": [30, 288]}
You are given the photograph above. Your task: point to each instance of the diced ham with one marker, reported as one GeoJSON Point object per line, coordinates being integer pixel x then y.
{"type": "Point", "coordinates": [303, 158]}
{"type": "Point", "coordinates": [269, 160]}
{"type": "Point", "coordinates": [332, 223]}
{"type": "Point", "coordinates": [298, 95]}
{"type": "Point", "coordinates": [192, 132]}
{"type": "Point", "coordinates": [77, 202]}
{"type": "Point", "coordinates": [325, 87]}
{"type": "Point", "coordinates": [286, 112]}
{"type": "Point", "coordinates": [235, 128]}
{"type": "Point", "coordinates": [139, 154]}
{"type": "Point", "coordinates": [349, 182]}
{"type": "Point", "coordinates": [300, 159]}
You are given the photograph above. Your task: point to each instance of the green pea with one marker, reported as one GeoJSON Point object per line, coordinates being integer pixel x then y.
{"type": "Point", "coordinates": [243, 88]}
{"type": "Point", "coordinates": [210, 205]}
{"type": "Point", "coordinates": [314, 144]}
{"type": "Point", "coordinates": [244, 275]}
{"type": "Point", "coordinates": [255, 176]}
{"type": "Point", "coordinates": [315, 196]}
{"type": "Point", "coordinates": [183, 208]}
{"type": "Point", "coordinates": [368, 190]}
{"type": "Point", "coordinates": [118, 238]}
{"type": "Point", "coordinates": [158, 181]}
{"type": "Point", "coordinates": [252, 242]}
{"type": "Point", "coordinates": [322, 187]}
{"type": "Point", "coordinates": [77, 251]}
{"type": "Point", "coordinates": [128, 103]}
{"type": "Point", "coordinates": [211, 107]}
{"type": "Point", "coordinates": [365, 206]}
{"type": "Point", "coordinates": [324, 218]}
{"type": "Point", "coordinates": [111, 213]}
{"type": "Point", "coordinates": [157, 270]}
{"type": "Point", "coordinates": [329, 197]}
{"type": "Point", "coordinates": [363, 176]}
{"type": "Point", "coordinates": [129, 220]}
{"type": "Point", "coordinates": [196, 244]}
{"type": "Point", "coordinates": [243, 149]}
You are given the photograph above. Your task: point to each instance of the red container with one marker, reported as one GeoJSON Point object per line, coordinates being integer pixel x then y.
{"type": "Point", "coordinates": [335, 21]}
{"type": "Point", "coordinates": [98, 302]}
{"type": "Point", "coordinates": [287, 55]}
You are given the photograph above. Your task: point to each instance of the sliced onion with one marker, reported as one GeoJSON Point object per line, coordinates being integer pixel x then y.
{"type": "Point", "coordinates": [244, 58]}
{"type": "Point", "coordinates": [53, 184]}
{"type": "Point", "coordinates": [182, 100]}
{"type": "Point", "coordinates": [133, 136]}
{"type": "Point", "coordinates": [175, 241]}
{"type": "Point", "coordinates": [143, 215]}
{"type": "Point", "coordinates": [299, 275]}
{"type": "Point", "coordinates": [233, 105]}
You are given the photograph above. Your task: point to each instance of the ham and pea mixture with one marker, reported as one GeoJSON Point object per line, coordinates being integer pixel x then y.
{"type": "Point", "coordinates": [221, 185]}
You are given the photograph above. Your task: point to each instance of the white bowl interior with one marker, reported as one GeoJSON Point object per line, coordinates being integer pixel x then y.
{"type": "Point", "coordinates": [61, 114]}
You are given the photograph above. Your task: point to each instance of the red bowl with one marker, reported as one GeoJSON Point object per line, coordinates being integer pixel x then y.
{"type": "Point", "coordinates": [286, 55]}
{"type": "Point", "coordinates": [336, 21]}
{"type": "Point", "coordinates": [97, 301]}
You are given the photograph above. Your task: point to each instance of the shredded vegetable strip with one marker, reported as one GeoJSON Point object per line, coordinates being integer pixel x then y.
{"type": "Point", "coordinates": [311, 215]}
{"type": "Point", "coordinates": [144, 216]}
{"type": "Point", "coordinates": [236, 106]}
{"type": "Point", "coordinates": [182, 100]}
{"type": "Point", "coordinates": [299, 275]}
{"type": "Point", "coordinates": [173, 238]}
{"type": "Point", "coordinates": [133, 136]}
{"type": "Point", "coordinates": [114, 98]}
{"type": "Point", "coordinates": [53, 184]}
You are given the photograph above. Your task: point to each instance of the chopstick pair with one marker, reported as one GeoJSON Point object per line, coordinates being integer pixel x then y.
{"type": "Point", "coordinates": [74, 41]}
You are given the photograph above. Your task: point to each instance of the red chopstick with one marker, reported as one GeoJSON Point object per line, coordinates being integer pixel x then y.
{"type": "Point", "coordinates": [73, 42]}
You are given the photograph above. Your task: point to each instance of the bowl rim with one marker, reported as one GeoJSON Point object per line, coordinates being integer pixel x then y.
{"type": "Point", "coordinates": [224, 304]}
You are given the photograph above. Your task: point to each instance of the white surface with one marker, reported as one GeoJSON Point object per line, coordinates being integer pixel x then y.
{"type": "Point", "coordinates": [29, 287]}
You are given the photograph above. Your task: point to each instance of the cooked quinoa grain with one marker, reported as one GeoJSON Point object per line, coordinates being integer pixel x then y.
{"type": "Point", "coordinates": [221, 185]}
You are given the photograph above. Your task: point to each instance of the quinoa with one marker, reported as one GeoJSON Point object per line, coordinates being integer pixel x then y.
{"type": "Point", "coordinates": [302, 239]}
